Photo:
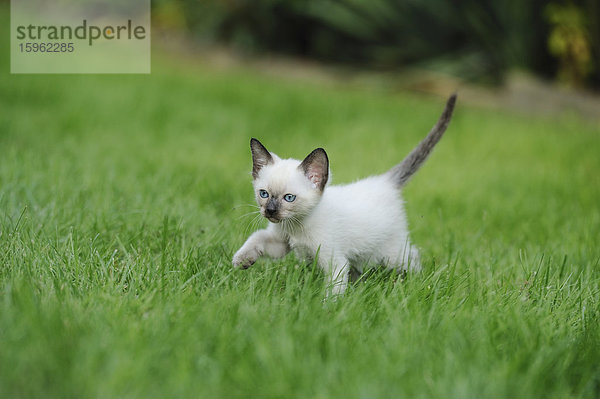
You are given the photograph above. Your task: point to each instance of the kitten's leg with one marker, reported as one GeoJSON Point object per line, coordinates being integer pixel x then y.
{"type": "Point", "coordinates": [337, 271]}
{"type": "Point", "coordinates": [262, 242]}
{"type": "Point", "coordinates": [354, 275]}
{"type": "Point", "coordinates": [413, 261]}
{"type": "Point", "coordinates": [402, 258]}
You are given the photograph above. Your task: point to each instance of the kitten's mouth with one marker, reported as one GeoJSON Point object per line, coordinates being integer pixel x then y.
{"type": "Point", "coordinates": [273, 220]}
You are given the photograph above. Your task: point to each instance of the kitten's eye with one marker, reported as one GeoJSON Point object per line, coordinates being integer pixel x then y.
{"type": "Point", "coordinates": [289, 197]}
{"type": "Point", "coordinates": [263, 194]}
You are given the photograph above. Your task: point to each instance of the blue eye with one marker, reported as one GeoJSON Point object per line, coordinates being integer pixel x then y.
{"type": "Point", "coordinates": [263, 194]}
{"type": "Point", "coordinates": [289, 197]}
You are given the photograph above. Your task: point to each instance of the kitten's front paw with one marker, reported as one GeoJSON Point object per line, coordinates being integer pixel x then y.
{"type": "Point", "coordinates": [244, 260]}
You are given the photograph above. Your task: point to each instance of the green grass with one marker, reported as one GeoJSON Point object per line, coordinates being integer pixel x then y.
{"type": "Point", "coordinates": [123, 198]}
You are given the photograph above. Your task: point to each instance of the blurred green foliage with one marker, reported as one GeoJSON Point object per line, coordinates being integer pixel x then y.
{"type": "Point", "coordinates": [476, 39]}
{"type": "Point", "coordinates": [570, 42]}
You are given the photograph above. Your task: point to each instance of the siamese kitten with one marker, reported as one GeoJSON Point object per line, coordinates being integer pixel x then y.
{"type": "Point", "coordinates": [345, 226]}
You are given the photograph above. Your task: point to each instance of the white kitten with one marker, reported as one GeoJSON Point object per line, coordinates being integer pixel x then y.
{"type": "Point", "coordinates": [347, 226]}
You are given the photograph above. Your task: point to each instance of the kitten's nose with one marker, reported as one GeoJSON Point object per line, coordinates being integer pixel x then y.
{"type": "Point", "coordinates": [269, 214]}
{"type": "Point", "coordinates": [271, 208]}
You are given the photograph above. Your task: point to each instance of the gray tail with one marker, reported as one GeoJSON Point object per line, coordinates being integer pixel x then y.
{"type": "Point", "coordinates": [402, 172]}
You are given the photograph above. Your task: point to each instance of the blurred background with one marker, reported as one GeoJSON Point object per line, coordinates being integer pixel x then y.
{"type": "Point", "coordinates": [479, 41]}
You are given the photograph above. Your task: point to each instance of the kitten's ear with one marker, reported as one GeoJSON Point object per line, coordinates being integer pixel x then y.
{"type": "Point", "coordinates": [316, 168]}
{"type": "Point", "coordinates": [260, 156]}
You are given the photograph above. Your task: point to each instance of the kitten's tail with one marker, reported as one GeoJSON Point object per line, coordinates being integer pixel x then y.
{"type": "Point", "coordinates": [402, 172]}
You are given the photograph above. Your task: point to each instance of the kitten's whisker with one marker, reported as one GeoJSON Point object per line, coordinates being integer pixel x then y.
{"type": "Point", "coordinates": [292, 223]}
{"type": "Point", "coordinates": [256, 221]}
{"type": "Point", "coordinates": [252, 224]}
{"type": "Point", "coordinates": [249, 213]}
{"type": "Point", "coordinates": [241, 205]}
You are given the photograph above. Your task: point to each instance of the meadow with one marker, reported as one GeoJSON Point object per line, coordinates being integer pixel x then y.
{"type": "Point", "coordinates": [123, 198]}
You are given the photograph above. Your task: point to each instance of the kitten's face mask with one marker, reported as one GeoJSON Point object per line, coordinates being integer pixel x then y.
{"type": "Point", "coordinates": [287, 190]}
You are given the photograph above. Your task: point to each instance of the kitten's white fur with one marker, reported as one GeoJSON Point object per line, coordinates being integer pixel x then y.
{"type": "Point", "coordinates": [347, 226]}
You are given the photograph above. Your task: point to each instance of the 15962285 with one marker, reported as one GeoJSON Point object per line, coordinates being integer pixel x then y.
{"type": "Point", "coordinates": [46, 47]}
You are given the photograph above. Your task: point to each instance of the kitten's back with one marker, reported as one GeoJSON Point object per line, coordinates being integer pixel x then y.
{"type": "Point", "coordinates": [360, 212]}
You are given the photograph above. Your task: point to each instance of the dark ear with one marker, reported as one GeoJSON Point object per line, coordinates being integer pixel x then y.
{"type": "Point", "coordinates": [316, 168]}
{"type": "Point", "coordinates": [260, 156]}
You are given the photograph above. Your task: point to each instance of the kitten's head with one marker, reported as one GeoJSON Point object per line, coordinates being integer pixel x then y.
{"type": "Point", "coordinates": [287, 189]}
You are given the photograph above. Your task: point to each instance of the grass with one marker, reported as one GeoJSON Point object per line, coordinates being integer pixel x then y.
{"type": "Point", "coordinates": [123, 198]}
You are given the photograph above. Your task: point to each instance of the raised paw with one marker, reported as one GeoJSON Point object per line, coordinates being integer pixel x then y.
{"type": "Point", "coordinates": [244, 260]}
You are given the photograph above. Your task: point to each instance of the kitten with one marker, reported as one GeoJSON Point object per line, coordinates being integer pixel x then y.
{"type": "Point", "coordinates": [345, 226]}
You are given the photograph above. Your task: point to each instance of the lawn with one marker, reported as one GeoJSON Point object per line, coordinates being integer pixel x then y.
{"type": "Point", "coordinates": [123, 198]}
